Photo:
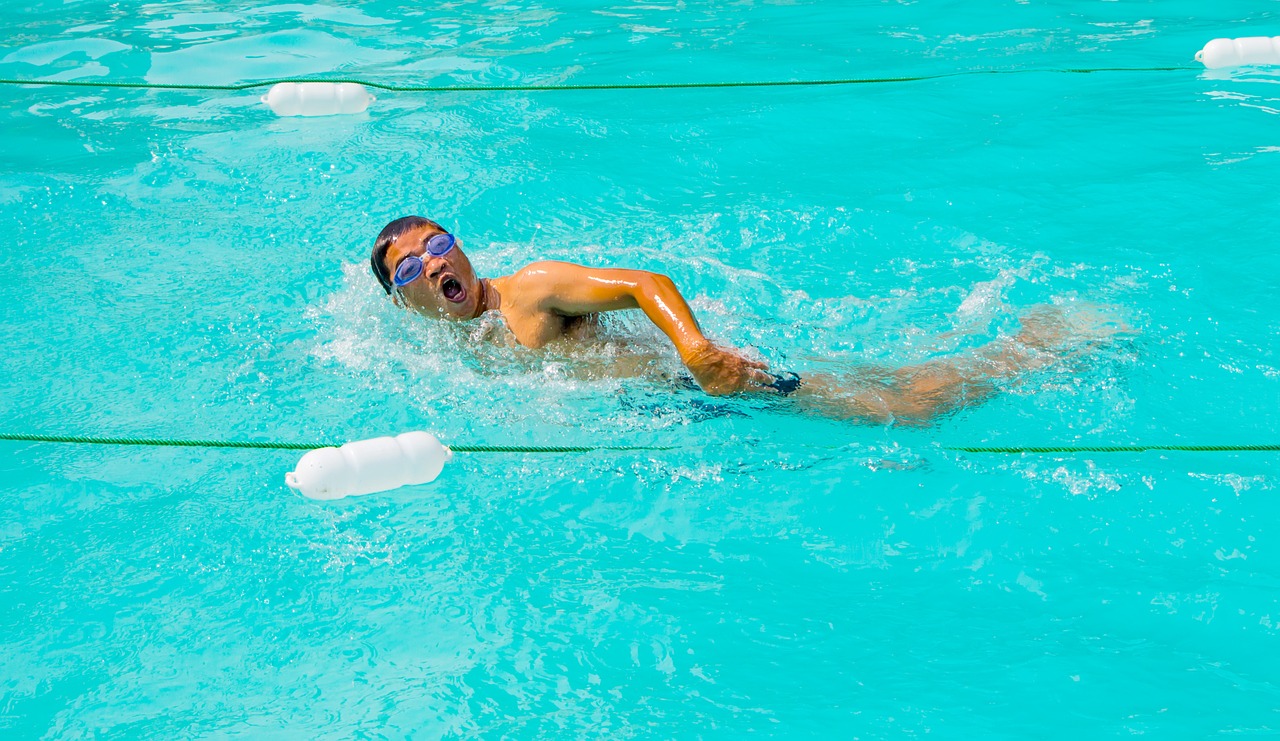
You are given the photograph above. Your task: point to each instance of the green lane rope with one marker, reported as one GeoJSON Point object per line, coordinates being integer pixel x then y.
{"type": "Point", "coordinates": [1114, 448]}
{"type": "Point", "coordinates": [603, 86]}
{"type": "Point", "coordinates": [552, 448]}
{"type": "Point", "coordinates": [164, 442]}
{"type": "Point", "coordinates": [267, 445]}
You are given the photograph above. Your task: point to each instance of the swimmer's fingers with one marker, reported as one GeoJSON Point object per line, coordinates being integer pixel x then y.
{"type": "Point", "coordinates": [744, 381]}
{"type": "Point", "coordinates": [762, 381]}
{"type": "Point", "coordinates": [755, 376]}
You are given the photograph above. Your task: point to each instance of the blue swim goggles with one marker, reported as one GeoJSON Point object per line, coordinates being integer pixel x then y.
{"type": "Point", "coordinates": [412, 266]}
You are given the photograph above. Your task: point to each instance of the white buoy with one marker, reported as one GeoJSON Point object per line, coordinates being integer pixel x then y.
{"type": "Point", "coordinates": [317, 98]}
{"type": "Point", "coordinates": [1253, 50]}
{"type": "Point", "coordinates": [369, 466]}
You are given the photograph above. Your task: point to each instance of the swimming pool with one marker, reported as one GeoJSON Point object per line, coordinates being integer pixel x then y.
{"type": "Point", "coordinates": [183, 264]}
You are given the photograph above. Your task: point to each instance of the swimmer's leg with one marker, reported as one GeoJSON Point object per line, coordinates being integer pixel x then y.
{"type": "Point", "coordinates": [913, 395]}
{"type": "Point", "coordinates": [918, 394]}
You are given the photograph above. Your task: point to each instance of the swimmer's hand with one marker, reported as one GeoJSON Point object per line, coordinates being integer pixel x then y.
{"type": "Point", "coordinates": [719, 371]}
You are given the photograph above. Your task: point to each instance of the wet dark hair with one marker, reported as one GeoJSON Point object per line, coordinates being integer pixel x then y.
{"type": "Point", "coordinates": [389, 234]}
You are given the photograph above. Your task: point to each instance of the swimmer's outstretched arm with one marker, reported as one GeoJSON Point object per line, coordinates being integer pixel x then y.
{"type": "Point", "coordinates": [566, 289]}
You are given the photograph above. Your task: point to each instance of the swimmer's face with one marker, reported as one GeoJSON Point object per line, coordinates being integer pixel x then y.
{"type": "Point", "coordinates": [448, 286]}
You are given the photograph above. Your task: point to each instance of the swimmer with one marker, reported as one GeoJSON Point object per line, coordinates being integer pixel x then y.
{"type": "Point", "coordinates": [423, 267]}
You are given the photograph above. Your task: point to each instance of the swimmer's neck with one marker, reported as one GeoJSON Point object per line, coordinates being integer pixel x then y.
{"type": "Point", "coordinates": [490, 295]}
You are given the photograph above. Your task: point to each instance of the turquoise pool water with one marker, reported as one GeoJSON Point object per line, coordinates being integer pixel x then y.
{"type": "Point", "coordinates": [183, 264]}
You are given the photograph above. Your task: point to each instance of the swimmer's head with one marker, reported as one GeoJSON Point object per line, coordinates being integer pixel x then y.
{"type": "Point", "coordinates": [447, 285]}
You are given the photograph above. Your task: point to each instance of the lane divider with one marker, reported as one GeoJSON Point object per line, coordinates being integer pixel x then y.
{"type": "Point", "coordinates": [270, 445]}
{"type": "Point", "coordinates": [390, 87]}
{"type": "Point", "coordinates": [1043, 449]}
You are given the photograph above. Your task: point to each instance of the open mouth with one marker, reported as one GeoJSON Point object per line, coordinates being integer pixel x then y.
{"type": "Point", "coordinates": [453, 291]}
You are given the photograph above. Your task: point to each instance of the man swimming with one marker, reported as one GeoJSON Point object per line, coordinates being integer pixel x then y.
{"type": "Point", "coordinates": [422, 266]}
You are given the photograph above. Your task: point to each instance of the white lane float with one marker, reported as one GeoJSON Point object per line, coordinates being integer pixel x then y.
{"type": "Point", "coordinates": [368, 466]}
{"type": "Point", "coordinates": [317, 98]}
{"type": "Point", "coordinates": [1253, 50]}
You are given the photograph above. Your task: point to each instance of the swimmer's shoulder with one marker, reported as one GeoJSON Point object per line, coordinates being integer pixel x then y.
{"type": "Point", "coordinates": [536, 281]}
{"type": "Point", "coordinates": [546, 270]}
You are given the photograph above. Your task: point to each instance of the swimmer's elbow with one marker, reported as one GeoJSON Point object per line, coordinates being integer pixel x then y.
{"type": "Point", "coordinates": [653, 288]}
{"type": "Point", "coordinates": [657, 283]}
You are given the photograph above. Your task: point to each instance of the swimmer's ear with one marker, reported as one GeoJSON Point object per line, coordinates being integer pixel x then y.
{"type": "Point", "coordinates": [395, 299]}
